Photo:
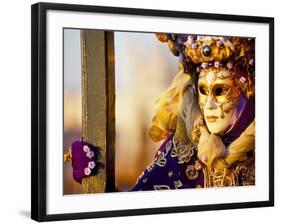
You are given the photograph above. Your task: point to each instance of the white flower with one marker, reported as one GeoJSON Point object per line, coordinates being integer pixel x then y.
{"type": "Point", "coordinates": [90, 154]}
{"type": "Point", "coordinates": [87, 171]}
{"type": "Point", "coordinates": [86, 148]}
{"type": "Point", "coordinates": [91, 164]}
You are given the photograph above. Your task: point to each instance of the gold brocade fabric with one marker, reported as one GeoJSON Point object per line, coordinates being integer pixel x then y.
{"type": "Point", "coordinates": [240, 173]}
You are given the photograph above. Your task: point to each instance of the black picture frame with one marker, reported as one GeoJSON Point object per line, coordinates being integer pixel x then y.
{"type": "Point", "coordinates": [38, 109]}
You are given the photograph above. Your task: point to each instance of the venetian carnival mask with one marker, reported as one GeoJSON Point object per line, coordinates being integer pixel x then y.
{"type": "Point", "coordinates": [225, 70]}
{"type": "Point", "coordinates": [218, 98]}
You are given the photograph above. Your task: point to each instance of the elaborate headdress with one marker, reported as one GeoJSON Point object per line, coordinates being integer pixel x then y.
{"type": "Point", "coordinates": [197, 53]}
{"type": "Point", "coordinates": [201, 52]}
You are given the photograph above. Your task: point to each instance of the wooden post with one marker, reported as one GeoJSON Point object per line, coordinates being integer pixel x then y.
{"type": "Point", "coordinates": [98, 105]}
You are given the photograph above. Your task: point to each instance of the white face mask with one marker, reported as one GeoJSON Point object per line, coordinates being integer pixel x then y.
{"type": "Point", "coordinates": [218, 98]}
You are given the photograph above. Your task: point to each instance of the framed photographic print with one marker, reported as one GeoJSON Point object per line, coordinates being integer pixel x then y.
{"type": "Point", "coordinates": [138, 111]}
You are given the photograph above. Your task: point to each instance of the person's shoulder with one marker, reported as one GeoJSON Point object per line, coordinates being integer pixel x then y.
{"type": "Point", "coordinates": [174, 166]}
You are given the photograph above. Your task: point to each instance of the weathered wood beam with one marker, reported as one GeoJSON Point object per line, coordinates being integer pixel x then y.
{"type": "Point", "coordinates": [98, 105]}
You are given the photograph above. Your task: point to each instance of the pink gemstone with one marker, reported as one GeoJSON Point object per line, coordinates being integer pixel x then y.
{"type": "Point", "coordinates": [204, 158]}
{"type": "Point", "coordinates": [242, 79]}
{"type": "Point", "coordinates": [87, 171]}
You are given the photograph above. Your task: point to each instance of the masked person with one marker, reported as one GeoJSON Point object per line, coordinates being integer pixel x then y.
{"type": "Point", "coordinates": [206, 117]}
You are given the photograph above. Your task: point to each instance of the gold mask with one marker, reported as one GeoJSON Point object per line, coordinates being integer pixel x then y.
{"type": "Point", "coordinates": [218, 98]}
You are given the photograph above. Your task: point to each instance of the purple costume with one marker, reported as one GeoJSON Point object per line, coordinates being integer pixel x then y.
{"type": "Point", "coordinates": [168, 172]}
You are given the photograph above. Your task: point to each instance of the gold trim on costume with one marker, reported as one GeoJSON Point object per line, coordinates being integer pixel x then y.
{"type": "Point", "coordinates": [245, 171]}
{"type": "Point", "coordinates": [161, 187]}
{"type": "Point", "coordinates": [191, 172]}
{"type": "Point", "coordinates": [178, 184]}
{"type": "Point", "coordinates": [184, 152]}
{"type": "Point", "coordinates": [160, 160]}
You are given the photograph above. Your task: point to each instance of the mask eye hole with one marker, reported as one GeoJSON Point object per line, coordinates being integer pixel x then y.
{"type": "Point", "coordinates": [203, 90]}
{"type": "Point", "coordinates": [220, 90]}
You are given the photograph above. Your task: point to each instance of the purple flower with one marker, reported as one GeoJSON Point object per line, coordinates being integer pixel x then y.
{"type": "Point", "coordinates": [87, 171]}
{"type": "Point", "coordinates": [86, 148]}
{"type": "Point", "coordinates": [91, 164]}
{"type": "Point", "coordinates": [90, 154]}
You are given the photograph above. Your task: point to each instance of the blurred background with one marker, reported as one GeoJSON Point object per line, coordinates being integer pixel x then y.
{"type": "Point", "coordinates": [144, 68]}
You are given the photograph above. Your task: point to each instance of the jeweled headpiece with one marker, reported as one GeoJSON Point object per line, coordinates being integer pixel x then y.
{"type": "Point", "coordinates": [197, 53]}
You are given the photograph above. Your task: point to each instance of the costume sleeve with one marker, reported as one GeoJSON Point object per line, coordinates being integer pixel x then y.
{"type": "Point", "coordinates": [163, 173]}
